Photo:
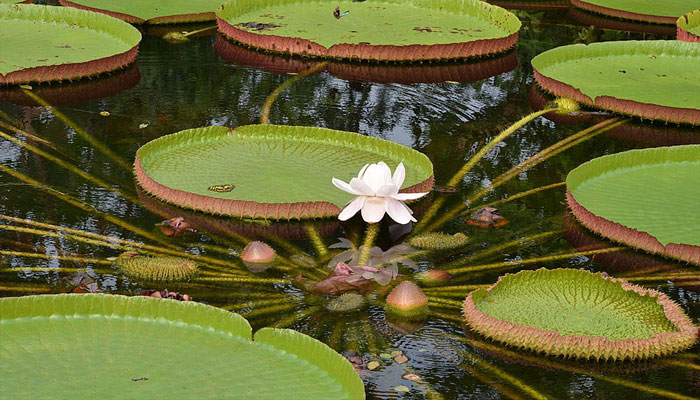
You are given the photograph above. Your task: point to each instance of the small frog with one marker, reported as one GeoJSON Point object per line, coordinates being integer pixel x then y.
{"type": "Point", "coordinates": [222, 188]}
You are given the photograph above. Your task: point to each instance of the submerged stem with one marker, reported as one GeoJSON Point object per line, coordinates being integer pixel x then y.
{"type": "Point", "coordinates": [80, 131]}
{"type": "Point", "coordinates": [83, 206]}
{"type": "Point", "coordinates": [508, 264]}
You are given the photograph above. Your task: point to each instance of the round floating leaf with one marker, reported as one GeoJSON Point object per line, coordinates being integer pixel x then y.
{"type": "Point", "coordinates": [474, 70]}
{"type": "Point", "coordinates": [151, 11]}
{"type": "Point", "coordinates": [654, 79]}
{"type": "Point", "coordinates": [267, 171]}
{"type": "Point", "coordinates": [689, 27]}
{"type": "Point", "coordinates": [385, 30]}
{"type": "Point", "coordinates": [662, 12]}
{"type": "Point", "coordinates": [41, 43]}
{"type": "Point", "coordinates": [106, 346]}
{"type": "Point", "coordinates": [644, 198]}
{"type": "Point", "coordinates": [576, 313]}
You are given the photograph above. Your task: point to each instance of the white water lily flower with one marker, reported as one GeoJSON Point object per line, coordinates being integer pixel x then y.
{"type": "Point", "coordinates": [378, 193]}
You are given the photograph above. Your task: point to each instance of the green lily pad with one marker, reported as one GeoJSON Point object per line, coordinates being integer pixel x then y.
{"type": "Point", "coordinates": [385, 30]}
{"type": "Point", "coordinates": [41, 44]}
{"type": "Point", "coordinates": [663, 12]}
{"type": "Point", "coordinates": [267, 171]}
{"type": "Point", "coordinates": [651, 79]}
{"type": "Point", "coordinates": [151, 11]}
{"type": "Point", "coordinates": [644, 198]}
{"type": "Point", "coordinates": [576, 313]}
{"type": "Point", "coordinates": [106, 346]}
{"type": "Point", "coordinates": [689, 26]}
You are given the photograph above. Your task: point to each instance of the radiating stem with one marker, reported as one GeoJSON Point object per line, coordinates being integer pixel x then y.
{"type": "Point", "coordinates": [265, 113]}
{"type": "Point", "coordinates": [315, 238]}
{"type": "Point", "coordinates": [244, 280]}
{"type": "Point", "coordinates": [444, 302]}
{"type": "Point", "coordinates": [509, 264]}
{"type": "Point", "coordinates": [24, 133]}
{"type": "Point", "coordinates": [25, 289]}
{"type": "Point", "coordinates": [543, 362]}
{"type": "Point", "coordinates": [543, 155]}
{"type": "Point", "coordinates": [475, 159]}
{"type": "Point", "coordinates": [269, 310]}
{"type": "Point", "coordinates": [68, 166]}
{"type": "Point", "coordinates": [55, 257]}
{"type": "Point", "coordinates": [83, 206]}
{"type": "Point", "coordinates": [519, 196]}
{"type": "Point", "coordinates": [294, 318]}
{"type": "Point", "coordinates": [506, 377]}
{"type": "Point", "coordinates": [497, 249]}
{"type": "Point", "coordinates": [80, 131]}
{"type": "Point", "coordinates": [370, 237]}
{"type": "Point", "coordinates": [550, 152]}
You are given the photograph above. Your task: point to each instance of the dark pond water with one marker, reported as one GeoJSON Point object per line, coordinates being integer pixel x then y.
{"type": "Point", "coordinates": [208, 82]}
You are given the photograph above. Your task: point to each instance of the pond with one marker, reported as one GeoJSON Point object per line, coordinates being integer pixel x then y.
{"type": "Point", "coordinates": [449, 115]}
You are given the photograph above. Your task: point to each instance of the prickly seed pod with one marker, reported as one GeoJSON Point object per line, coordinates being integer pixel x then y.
{"type": "Point", "coordinates": [566, 105]}
{"type": "Point", "coordinates": [438, 241]}
{"type": "Point", "coordinates": [346, 302]}
{"type": "Point", "coordinates": [155, 268]}
{"type": "Point", "coordinates": [407, 301]}
{"type": "Point", "coordinates": [433, 277]}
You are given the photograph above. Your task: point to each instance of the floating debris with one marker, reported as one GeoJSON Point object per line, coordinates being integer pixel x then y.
{"type": "Point", "coordinates": [487, 217]}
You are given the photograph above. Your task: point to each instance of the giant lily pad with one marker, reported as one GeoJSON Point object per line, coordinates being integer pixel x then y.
{"type": "Point", "coordinates": [75, 92]}
{"type": "Point", "coordinates": [385, 30]}
{"type": "Point", "coordinates": [644, 198]}
{"type": "Point", "coordinates": [381, 73]}
{"type": "Point", "coordinates": [151, 11]}
{"type": "Point", "coordinates": [576, 313]}
{"type": "Point", "coordinates": [689, 26]}
{"type": "Point", "coordinates": [106, 346]}
{"type": "Point", "coordinates": [662, 12]}
{"type": "Point", "coordinates": [43, 44]}
{"type": "Point", "coordinates": [650, 79]}
{"type": "Point", "coordinates": [267, 171]}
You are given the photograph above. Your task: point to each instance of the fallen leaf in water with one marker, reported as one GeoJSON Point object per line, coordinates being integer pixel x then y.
{"type": "Point", "coordinates": [412, 377]}
{"type": "Point", "coordinates": [396, 353]}
{"type": "Point", "coordinates": [143, 126]}
{"type": "Point", "coordinates": [400, 359]}
{"type": "Point", "coordinates": [104, 113]}
{"type": "Point", "coordinates": [385, 355]}
{"type": "Point", "coordinates": [402, 388]}
{"type": "Point", "coordinates": [372, 365]}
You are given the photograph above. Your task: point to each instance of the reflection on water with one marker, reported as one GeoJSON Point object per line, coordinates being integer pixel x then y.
{"type": "Point", "coordinates": [175, 87]}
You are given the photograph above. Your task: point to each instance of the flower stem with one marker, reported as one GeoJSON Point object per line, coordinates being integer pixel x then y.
{"type": "Point", "coordinates": [370, 236]}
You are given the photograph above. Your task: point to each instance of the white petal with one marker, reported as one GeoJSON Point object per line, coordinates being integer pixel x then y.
{"type": "Point", "coordinates": [387, 190]}
{"type": "Point", "coordinates": [399, 175]}
{"type": "Point", "coordinates": [398, 211]}
{"type": "Point", "coordinates": [361, 187]}
{"type": "Point", "coordinates": [352, 208]}
{"type": "Point", "coordinates": [344, 186]}
{"type": "Point", "coordinates": [362, 171]}
{"type": "Point", "coordinates": [377, 175]}
{"type": "Point", "coordinates": [373, 209]}
{"type": "Point", "coordinates": [409, 196]}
